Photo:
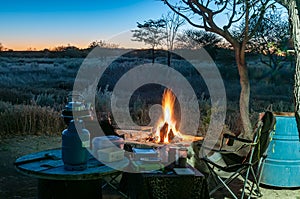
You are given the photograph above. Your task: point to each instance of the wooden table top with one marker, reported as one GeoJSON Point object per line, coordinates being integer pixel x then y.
{"type": "Point", "coordinates": [48, 164]}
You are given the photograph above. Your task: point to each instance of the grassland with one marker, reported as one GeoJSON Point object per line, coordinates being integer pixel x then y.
{"type": "Point", "coordinates": [34, 87]}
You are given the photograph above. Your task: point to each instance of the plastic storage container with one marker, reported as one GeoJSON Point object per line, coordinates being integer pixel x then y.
{"type": "Point", "coordinates": [108, 148]}
{"type": "Point", "coordinates": [110, 154]}
{"type": "Point", "coordinates": [282, 165]}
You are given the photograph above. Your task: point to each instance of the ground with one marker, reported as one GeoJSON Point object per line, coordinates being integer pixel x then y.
{"type": "Point", "coordinates": [16, 185]}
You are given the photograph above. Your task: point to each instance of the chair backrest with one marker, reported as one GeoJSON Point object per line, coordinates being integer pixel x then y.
{"type": "Point", "coordinates": [262, 137]}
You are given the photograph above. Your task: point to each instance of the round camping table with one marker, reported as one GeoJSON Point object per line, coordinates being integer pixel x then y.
{"type": "Point", "coordinates": [56, 182]}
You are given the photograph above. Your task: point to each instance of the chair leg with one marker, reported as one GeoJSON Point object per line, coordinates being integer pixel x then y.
{"type": "Point", "coordinates": [222, 183]}
{"type": "Point", "coordinates": [226, 186]}
{"type": "Point", "coordinates": [214, 176]}
{"type": "Point", "coordinates": [110, 183]}
{"type": "Point", "coordinates": [256, 182]}
{"type": "Point", "coordinates": [112, 179]}
{"type": "Point", "coordinates": [245, 181]}
{"type": "Point", "coordinates": [261, 169]}
{"type": "Point", "coordinates": [215, 179]}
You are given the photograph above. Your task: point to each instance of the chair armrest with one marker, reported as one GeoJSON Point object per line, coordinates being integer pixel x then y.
{"type": "Point", "coordinates": [229, 140]}
{"type": "Point", "coordinates": [228, 136]}
{"type": "Point", "coordinates": [217, 150]}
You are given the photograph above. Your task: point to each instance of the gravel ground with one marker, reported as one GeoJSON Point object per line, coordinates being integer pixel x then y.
{"type": "Point", "coordinates": [16, 185]}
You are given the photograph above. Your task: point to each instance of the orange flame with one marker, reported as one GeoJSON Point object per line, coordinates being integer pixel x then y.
{"type": "Point", "coordinates": [168, 103]}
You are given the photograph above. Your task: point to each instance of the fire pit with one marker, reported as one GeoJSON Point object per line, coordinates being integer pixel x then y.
{"type": "Point", "coordinates": [165, 133]}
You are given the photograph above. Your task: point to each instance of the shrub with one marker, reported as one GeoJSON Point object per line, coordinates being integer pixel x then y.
{"type": "Point", "coordinates": [29, 119]}
{"type": "Point", "coordinates": [45, 99]}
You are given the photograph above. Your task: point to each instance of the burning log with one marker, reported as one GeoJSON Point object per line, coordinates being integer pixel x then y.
{"type": "Point", "coordinates": [166, 134]}
{"type": "Point", "coordinates": [171, 136]}
{"type": "Point", "coordinates": [163, 133]}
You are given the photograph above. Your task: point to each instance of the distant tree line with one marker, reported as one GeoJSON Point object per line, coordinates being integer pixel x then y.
{"type": "Point", "coordinates": [69, 48]}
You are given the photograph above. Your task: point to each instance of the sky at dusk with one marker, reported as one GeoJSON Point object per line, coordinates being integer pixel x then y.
{"type": "Point", "coordinates": [44, 24]}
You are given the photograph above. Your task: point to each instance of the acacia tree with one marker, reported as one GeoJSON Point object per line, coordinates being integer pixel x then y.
{"type": "Point", "coordinates": [293, 7]}
{"type": "Point", "coordinates": [203, 14]}
{"type": "Point", "coordinates": [151, 32]}
{"type": "Point", "coordinates": [195, 39]}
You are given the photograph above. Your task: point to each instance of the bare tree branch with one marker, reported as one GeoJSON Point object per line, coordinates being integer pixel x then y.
{"type": "Point", "coordinates": [222, 9]}
{"type": "Point", "coordinates": [182, 15]}
{"type": "Point", "coordinates": [261, 16]}
{"type": "Point", "coordinates": [231, 21]}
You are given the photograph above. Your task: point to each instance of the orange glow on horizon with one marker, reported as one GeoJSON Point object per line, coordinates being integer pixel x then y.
{"type": "Point", "coordinates": [39, 46]}
{"type": "Point", "coordinates": [121, 42]}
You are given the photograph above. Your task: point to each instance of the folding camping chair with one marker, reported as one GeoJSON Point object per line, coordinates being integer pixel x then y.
{"type": "Point", "coordinates": [256, 155]}
{"type": "Point", "coordinates": [113, 182]}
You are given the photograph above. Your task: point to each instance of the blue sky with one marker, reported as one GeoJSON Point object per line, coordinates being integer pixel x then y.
{"type": "Point", "coordinates": [45, 24]}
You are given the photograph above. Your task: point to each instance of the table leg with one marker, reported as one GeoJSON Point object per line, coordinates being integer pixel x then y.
{"type": "Point", "coordinates": [56, 189]}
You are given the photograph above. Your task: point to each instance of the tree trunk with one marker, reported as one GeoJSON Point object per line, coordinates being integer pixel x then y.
{"type": "Point", "coordinates": [169, 58]}
{"type": "Point", "coordinates": [295, 23]}
{"type": "Point", "coordinates": [152, 53]}
{"type": "Point", "coordinates": [245, 92]}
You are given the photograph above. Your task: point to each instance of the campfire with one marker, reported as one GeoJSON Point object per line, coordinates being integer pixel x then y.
{"type": "Point", "coordinates": [166, 131]}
